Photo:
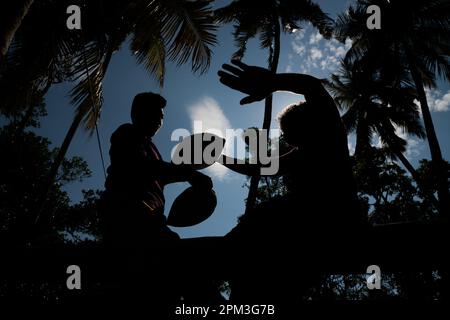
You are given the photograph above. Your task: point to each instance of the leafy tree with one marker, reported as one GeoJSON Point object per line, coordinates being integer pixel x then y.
{"type": "Point", "coordinates": [81, 223]}
{"type": "Point", "coordinates": [388, 193]}
{"type": "Point", "coordinates": [376, 103]}
{"type": "Point", "coordinates": [26, 159]}
{"type": "Point", "coordinates": [417, 33]}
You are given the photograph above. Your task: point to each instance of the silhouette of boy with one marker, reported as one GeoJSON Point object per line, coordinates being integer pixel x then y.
{"type": "Point", "coordinates": [134, 197]}
{"type": "Point", "coordinates": [321, 207]}
{"type": "Point", "coordinates": [321, 191]}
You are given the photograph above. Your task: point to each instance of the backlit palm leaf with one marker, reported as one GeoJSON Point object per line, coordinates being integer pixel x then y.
{"type": "Point", "coordinates": [90, 66]}
{"type": "Point", "coordinates": [190, 27]}
{"type": "Point", "coordinates": [150, 49]}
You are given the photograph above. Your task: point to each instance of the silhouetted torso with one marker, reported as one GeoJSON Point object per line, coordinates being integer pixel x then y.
{"type": "Point", "coordinates": [131, 171]}
{"type": "Point", "coordinates": [318, 175]}
{"type": "Point", "coordinates": [321, 189]}
{"type": "Point", "coordinates": [134, 183]}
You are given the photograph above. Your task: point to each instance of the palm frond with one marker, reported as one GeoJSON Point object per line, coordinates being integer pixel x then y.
{"type": "Point", "coordinates": [375, 104]}
{"type": "Point", "coordinates": [149, 47]}
{"type": "Point", "coordinates": [433, 13]}
{"type": "Point", "coordinates": [89, 69]}
{"type": "Point", "coordinates": [241, 39]}
{"type": "Point", "coordinates": [387, 133]}
{"type": "Point", "coordinates": [230, 12]}
{"type": "Point", "coordinates": [350, 119]}
{"type": "Point", "coordinates": [267, 34]}
{"type": "Point", "coordinates": [87, 96]}
{"type": "Point", "coordinates": [36, 59]}
{"type": "Point", "coordinates": [350, 24]}
{"type": "Point", "coordinates": [293, 12]}
{"type": "Point", "coordinates": [437, 63]}
{"type": "Point", "coordinates": [188, 27]}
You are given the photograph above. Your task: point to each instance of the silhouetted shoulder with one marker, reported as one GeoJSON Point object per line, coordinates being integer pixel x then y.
{"type": "Point", "coordinates": [125, 133]}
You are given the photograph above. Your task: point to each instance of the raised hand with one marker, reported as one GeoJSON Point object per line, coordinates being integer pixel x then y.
{"type": "Point", "coordinates": [254, 81]}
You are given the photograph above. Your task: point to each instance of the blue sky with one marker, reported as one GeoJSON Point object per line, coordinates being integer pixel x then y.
{"type": "Point", "coordinates": [192, 97]}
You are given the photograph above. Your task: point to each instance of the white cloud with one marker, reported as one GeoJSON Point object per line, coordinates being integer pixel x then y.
{"type": "Point", "coordinates": [438, 101]}
{"type": "Point", "coordinates": [299, 34]}
{"type": "Point", "coordinates": [338, 49]}
{"type": "Point", "coordinates": [351, 142]}
{"type": "Point", "coordinates": [208, 111]}
{"type": "Point", "coordinates": [288, 69]}
{"type": "Point", "coordinates": [212, 117]}
{"type": "Point", "coordinates": [316, 52]}
{"type": "Point", "coordinates": [298, 49]}
{"type": "Point", "coordinates": [443, 103]}
{"type": "Point", "coordinates": [329, 63]}
{"type": "Point", "coordinates": [351, 148]}
{"type": "Point", "coordinates": [315, 38]}
{"type": "Point", "coordinates": [413, 148]}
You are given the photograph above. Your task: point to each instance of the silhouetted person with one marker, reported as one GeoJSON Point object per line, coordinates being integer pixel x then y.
{"type": "Point", "coordinates": [136, 178]}
{"type": "Point", "coordinates": [132, 207]}
{"type": "Point", "coordinates": [321, 206]}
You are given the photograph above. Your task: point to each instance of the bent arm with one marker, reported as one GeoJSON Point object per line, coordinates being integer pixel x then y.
{"type": "Point", "coordinates": [126, 154]}
{"type": "Point", "coordinates": [308, 86]}
{"type": "Point", "coordinates": [259, 82]}
{"type": "Point", "coordinates": [298, 83]}
{"type": "Point", "coordinates": [254, 169]}
{"type": "Point", "coordinates": [316, 95]}
{"type": "Point", "coordinates": [172, 173]}
{"type": "Point", "coordinates": [236, 165]}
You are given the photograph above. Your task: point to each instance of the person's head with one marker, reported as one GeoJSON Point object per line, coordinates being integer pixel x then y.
{"type": "Point", "coordinates": [296, 124]}
{"type": "Point", "coordinates": [147, 112]}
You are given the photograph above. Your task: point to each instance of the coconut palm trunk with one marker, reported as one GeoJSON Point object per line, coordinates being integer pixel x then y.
{"type": "Point", "coordinates": [435, 150]}
{"type": "Point", "coordinates": [268, 103]}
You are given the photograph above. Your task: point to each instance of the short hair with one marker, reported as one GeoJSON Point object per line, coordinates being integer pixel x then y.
{"type": "Point", "coordinates": [294, 114]}
{"type": "Point", "coordinates": [145, 100]}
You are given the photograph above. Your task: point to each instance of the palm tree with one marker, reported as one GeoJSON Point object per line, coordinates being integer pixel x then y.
{"type": "Point", "coordinates": [419, 34]}
{"type": "Point", "coordinates": [12, 14]}
{"type": "Point", "coordinates": [374, 103]}
{"type": "Point", "coordinates": [267, 19]}
{"type": "Point", "coordinates": [178, 30]}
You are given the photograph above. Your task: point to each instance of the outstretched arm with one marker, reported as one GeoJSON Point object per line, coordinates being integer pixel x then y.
{"type": "Point", "coordinates": [248, 169]}
{"type": "Point", "coordinates": [254, 169]}
{"type": "Point", "coordinates": [258, 82]}
{"type": "Point", "coordinates": [171, 173]}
